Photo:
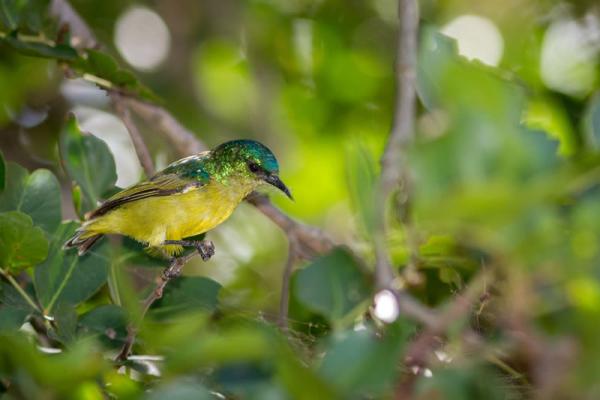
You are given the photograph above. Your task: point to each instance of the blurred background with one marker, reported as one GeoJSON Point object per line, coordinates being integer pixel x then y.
{"type": "Point", "coordinates": [504, 166]}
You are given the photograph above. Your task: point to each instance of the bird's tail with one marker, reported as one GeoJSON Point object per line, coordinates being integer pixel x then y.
{"type": "Point", "coordinates": [83, 239]}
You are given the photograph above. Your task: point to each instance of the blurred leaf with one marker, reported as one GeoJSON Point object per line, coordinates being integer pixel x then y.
{"type": "Point", "coordinates": [89, 162]}
{"type": "Point", "coordinates": [59, 52]}
{"type": "Point", "coordinates": [37, 195]}
{"type": "Point", "coordinates": [180, 391]}
{"type": "Point", "coordinates": [463, 383]}
{"type": "Point", "coordinates": [333, 285]}
{"type": "Point", "coordinates": [28, 14]}
{"type": "Point", "coordinates": [65, 323]}
{"type": "Point", "coordinates": [592, 121]}
{"type": "Point", "coordinates": [2, 172]}
{"type": "Point", "coordinates": [67, 278]}
{"type": "Point", "coordinates": [108, 322]}
{"type": "Point", "coordinates": [21, 244]}
{"type": "Point", "coordinates": [11, 318]}
{"type": "Point", "coordinates": [105, 67]}
{"type": "Point", "coordinates": [186, 294]}
{"type": "Point", "coordinates": [361, 176]}
{"type": "Point", "coordinates": [549, 117]}
{"type": "Point", "coordinates": [359, 363]}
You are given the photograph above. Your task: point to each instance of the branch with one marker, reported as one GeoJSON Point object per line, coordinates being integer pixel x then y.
{"type": "Point", "coordinates": [172, 271]}
{"type": "Point", "coordinates": [138, 142]}
{"type": "Point", "coordinates": [184, 141]}
{"type": "Point", "coordinates": [393, 165]}
{"type": "Point", "coordinates": [80, 31]}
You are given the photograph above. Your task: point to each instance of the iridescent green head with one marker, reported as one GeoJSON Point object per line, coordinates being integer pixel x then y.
{"type": "Point", "coordinates": [247, 159]}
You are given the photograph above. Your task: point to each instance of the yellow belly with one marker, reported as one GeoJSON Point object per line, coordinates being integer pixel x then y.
{"type": "Point", "coordinates": [156, 219]}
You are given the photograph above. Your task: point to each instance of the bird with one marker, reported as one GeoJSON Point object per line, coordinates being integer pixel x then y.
{"type": "Point", "coordinates": [189, 197]}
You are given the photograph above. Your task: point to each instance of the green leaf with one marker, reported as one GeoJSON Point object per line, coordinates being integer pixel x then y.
{"type": "Point", "coordinates": [108, 322]}
{"type": "Point", "coordinates": [88, 162]}
{"type": "Point", "coordinates": [37, 195]}
{"type": "Point", "coordinates": [23, 14]}
{"type": "Point", "coordinates": [187, 294]}
{"type": "Point", "coordinates": [11, 318]}
{"type": "Point", "coordinates": [21, 244]}
{"type": "Point", "coordinates": [67, 278]}
{"type": "Point", "coordinates": [59, 52]}
{"type": "Point", "coordinates": [65, 323]}
{"type": "Point", "coordinates": [105, 67]}
{"type": "Point", "coordinates": [2, 172]}
{"type": "Point", "coordinates": [360, 362]}
{"type": "Point", "coordinates": [180, 391]}
{"type": "Point", "coordinates": [332, 285]}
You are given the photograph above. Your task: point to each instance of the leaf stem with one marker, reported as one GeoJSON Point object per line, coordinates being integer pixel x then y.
{"type": "Point", "coordinates": [19, 289]}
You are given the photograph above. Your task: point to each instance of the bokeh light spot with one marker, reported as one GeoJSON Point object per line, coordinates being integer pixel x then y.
{"type": "Point", "coordinates": [142, 38]}
{"type": "Point", "coordinates": [568, 62]}
{"type": "Point", "coordinates": [386, 306]}
{"type": "Point", "coordinates": [477, 38]}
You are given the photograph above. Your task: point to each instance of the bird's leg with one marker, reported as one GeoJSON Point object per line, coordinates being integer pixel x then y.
{"type": "Point", "coordinates": [205, 248]}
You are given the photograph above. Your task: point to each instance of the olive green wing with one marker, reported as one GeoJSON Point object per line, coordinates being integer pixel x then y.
{"type": "Point", "coordinates": [159, 185]}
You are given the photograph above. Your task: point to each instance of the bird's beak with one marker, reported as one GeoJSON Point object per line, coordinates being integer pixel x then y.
{"type": "Point", "coordinates": [275, 181]}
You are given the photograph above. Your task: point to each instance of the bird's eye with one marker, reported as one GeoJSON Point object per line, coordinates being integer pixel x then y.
{"type": "Point", "coordinates": [253, 167]}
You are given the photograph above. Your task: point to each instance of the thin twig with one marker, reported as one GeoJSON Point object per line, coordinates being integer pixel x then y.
{"type": "Point", "coordinates": [284, 300]}
{"type": "Point", "coordinates": [136, 137]}
{"type": "Point", "coordinates": [172, 271]}
{"type": "Point", "coordinates": [393, 164]}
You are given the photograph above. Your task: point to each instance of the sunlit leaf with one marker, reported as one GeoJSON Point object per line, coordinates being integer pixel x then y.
{"type": "Point", "coordinates": [88, 162]}
{"type": "Point", "coordinates": [21, 244]}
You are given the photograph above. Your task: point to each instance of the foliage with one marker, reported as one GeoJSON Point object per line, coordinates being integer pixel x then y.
{"type": "Point", "coordinates": [504, 182]}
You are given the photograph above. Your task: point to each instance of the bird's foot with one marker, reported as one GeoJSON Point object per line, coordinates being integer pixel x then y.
{"type": "Point", "coordinates": [206, 249]}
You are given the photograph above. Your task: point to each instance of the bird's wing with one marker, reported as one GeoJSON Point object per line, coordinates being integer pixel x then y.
{"type": "Point", "coordinates": [159, 185]}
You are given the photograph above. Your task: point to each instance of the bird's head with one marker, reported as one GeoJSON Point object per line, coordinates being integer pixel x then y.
{"type": "Point", "coordinates": [249, 161]}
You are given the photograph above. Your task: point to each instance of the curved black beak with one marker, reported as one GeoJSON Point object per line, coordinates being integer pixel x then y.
{"type": "Point", "coordinates": [275, 181]}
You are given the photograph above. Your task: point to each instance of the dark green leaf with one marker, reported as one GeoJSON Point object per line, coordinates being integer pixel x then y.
{"type": "Point", "coordinates": [332, 285]}
{"type": "Point", "coordinates": [37, 195]}
{"type": "Point", "coordinates": [67, 278]}
{"type": "Point", "coordinates": [88, 162]}
{"type": "Point", "coordinates": [65, 323]}
{"type": "Point", "coordinates": [187, 294]}
{"type": "Point", "coordinates": [59, 52]}
{"type": "Point", "coordinates": [11, 318]}
{"type": "Point", "coordinates": [109, 322]}
{"type": "Point", "coordinates": [360, 362]}
{"type": "Point", "coordinates": [23, 14]}
{"type": "Point", "coordinates": [21, 244]}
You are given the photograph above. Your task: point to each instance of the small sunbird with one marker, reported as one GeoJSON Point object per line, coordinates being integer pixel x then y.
{"type": "Point", "coordinates": [189, 197]}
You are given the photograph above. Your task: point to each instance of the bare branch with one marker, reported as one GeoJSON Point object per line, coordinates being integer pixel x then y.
{"type": "Point", "coordinates": [393, 164]}
{"type": "Point", "coordinates": [80, 32]}
{"type": "Point", "coordinates": [184, 141]}
{"type": "Point", "coordinates": [138, 142]}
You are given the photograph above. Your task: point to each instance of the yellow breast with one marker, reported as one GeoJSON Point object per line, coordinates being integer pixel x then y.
{"type": "Point", "coordinates": [156, 219]}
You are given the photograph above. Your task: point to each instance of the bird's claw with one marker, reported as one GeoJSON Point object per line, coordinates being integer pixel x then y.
{"type": "Point", "coordinates": [206, 249]}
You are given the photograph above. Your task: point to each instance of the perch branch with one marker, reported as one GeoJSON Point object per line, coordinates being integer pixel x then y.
{"type": "Point", "coordinates": [172, 271]}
